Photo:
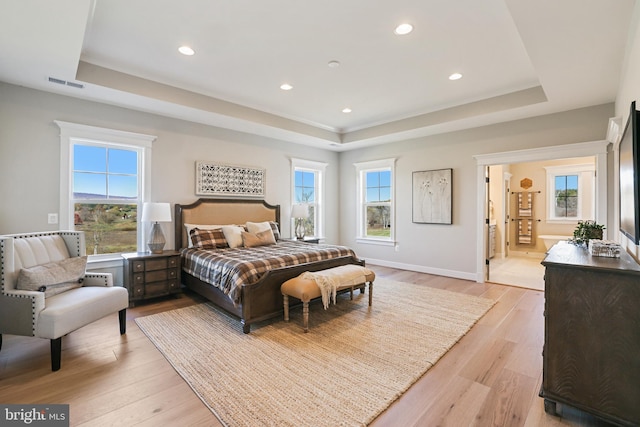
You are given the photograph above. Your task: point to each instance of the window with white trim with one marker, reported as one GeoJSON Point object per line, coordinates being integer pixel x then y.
{"type": "Point", "coordinates": [571, 192]}
{"type": "Point", "coordinates": [308, 188]}
{"type": "Point", "coordinates": [103, 184]}
{"type": "Point", "coordinates": [375, 183]}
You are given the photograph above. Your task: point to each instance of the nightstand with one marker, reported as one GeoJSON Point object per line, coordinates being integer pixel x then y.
{"type": "Point", "coordinates": [148, 275]}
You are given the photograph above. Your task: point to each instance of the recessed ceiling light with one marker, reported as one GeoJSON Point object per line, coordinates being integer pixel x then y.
{"type": "Point", "coordinates": [455, 76]}
{"type": "Point", "coordinates": [333, 64]}
{"type": "Point", "coordinates": [286, 86]}
{"type": "Point", "coordinates": [403, 29]}
{"type": "Point", "coordinates": [346, 110]}
{"type": "Point", "coordinates": [186, 50]}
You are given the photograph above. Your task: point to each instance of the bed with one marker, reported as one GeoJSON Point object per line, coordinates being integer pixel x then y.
{"type": "Point", "coordinates": [254, 295]}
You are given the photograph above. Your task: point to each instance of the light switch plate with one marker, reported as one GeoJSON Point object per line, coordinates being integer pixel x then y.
{"type": "Point", "coordinates": [53, 218]}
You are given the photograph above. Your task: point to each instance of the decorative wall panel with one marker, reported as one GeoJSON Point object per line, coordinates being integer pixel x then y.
{"type": "Point", "coordinates": [213, 179]}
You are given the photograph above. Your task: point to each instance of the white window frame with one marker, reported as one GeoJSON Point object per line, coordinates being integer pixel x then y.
{"type": "Point", "coordinates": [319, 169]}
{"type": "Point", "coordinates": [584, 172]}
{"type": "Point", "coordinates": [361, 170]}
{"type": "Point", "coordinates": [74, 133]}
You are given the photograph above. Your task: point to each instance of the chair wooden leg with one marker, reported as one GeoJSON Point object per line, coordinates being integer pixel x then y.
{"type": "Point", "coordinates": [285, 303]}
{"type": "Point", "coordinates": [0, 341]}
{"type": "Point", "coordinates": [122, 318]}
{"type": "Point", "coordinates": [56, 353]}
{"type": "Point", "coordinates": [370, 293]}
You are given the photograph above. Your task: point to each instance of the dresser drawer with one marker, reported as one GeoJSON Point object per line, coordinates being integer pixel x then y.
{"type": "Point", "coordinates": [156, 276]}
{"type": "Point", "coordinates": [155, 264]}
{"type": "Point", "coordinates": [156, 289]}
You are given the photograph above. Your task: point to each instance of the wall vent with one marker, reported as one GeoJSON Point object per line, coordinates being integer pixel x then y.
{"type": "Point", "coordinates": [66, 83]}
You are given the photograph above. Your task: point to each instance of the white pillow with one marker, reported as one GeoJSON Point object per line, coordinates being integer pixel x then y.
{"type": "Point", "coordinates": [190, 227]}
{"type": "Point", "coordinates": [233, 235]}
{"type": "Point", "coordinates": [257, 227]}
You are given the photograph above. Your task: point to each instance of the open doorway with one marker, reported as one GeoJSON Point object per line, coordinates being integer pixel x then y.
{"type": "Point", "coordinates": [515, 258]}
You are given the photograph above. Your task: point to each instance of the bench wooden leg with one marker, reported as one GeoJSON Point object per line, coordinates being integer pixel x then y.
{"type": "Point", "coordinates": [370, 293]}
{"type": "Point", "coordinates": [351, 293]}
{"type": "Point", "coordinates": [285, 302]}
{"type": "Point", "coordinates": [305, 316]}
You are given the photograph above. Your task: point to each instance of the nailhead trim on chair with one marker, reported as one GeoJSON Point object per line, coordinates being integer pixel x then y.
{"type": "Point", "coordinates": [2, 289]}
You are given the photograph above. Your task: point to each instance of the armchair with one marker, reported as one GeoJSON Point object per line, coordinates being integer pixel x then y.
{"type": "Point", "coordinates": [29, 313]}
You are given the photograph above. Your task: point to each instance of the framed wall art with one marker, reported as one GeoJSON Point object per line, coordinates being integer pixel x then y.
{"type": "Point", "coordinates": [214, 179]}
{"type": "Point", "coordinates": [432, 196]}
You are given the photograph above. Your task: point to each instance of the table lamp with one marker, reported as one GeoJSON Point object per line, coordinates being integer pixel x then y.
{"type": "Point", "coordinates": [155, 213]}
{"type": "Point", "coordinates": [300, 212]}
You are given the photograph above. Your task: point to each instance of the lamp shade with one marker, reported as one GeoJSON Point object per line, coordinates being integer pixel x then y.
{"type": "Point", "coordinates": [300, 211]}
{"type": "Point", "coordinates": [156, 212]}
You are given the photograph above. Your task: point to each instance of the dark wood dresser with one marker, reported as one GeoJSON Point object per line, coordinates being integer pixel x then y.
{"type": "Point", "coordinates": [148, 275]}
{"type": "Point", "coordinates": [591, 356]}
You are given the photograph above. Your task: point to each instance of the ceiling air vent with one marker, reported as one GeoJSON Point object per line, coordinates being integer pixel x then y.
{"type": "Point", "coordinates": [66, 83]}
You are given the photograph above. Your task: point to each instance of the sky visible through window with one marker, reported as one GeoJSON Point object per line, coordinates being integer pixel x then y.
{"type": "Point", "coordinates": [104, 173]}
{"type": "Point", "coordinates": [305, 186]}
{"type": "Point", "coordinates": [378, 186]}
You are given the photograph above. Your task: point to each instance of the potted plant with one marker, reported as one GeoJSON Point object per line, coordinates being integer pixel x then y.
{"type": "Point", "coordinates": [585, 231]}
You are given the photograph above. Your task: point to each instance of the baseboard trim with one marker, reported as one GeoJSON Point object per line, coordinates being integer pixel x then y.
{"type": "Point", "coordinates": [422, 269]}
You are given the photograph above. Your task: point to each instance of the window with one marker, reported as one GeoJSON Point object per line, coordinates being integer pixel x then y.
{"type": "Point", "coordinates": [376, 203]}
{"type": "Point", "coordinates": [571, 192]}
{"type": "Point", "coordinates": [566, 196]}
{"type": "Point", "coordinates": [103, 183]}
{"type": "Point", "coordinates": [308, 187]}
{"type": "Point", "coordinates": [104, 195]}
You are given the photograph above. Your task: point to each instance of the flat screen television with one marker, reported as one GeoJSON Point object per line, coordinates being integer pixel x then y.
{"type": "Point", "coordinates": [629, 177]}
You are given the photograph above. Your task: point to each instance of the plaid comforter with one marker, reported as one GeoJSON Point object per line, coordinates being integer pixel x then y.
{"type": "Point", "coordinates": [228, 269]}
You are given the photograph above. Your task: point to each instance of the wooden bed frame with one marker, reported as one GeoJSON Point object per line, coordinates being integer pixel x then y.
{"type": "Point", "coordinates": [261, 300]}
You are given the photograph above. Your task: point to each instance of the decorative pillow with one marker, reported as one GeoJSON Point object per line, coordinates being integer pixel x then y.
{"type": "Point", "coordinates": [54, 277]}
{"type": "Point", "coordinates": [190, 227]}
{"type": "Point", "coordinates": [233, 235]}
{"type": "Point", "coordinates": [255, 227]}
{"type": "Point", "coordinates": [208, 239]}
{"type": "Point", "coordinates": [261, 238]}
{"type": "Point", "coordinates": [275, 230]}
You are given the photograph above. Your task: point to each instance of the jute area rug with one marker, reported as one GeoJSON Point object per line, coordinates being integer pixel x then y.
{"type": "Point", "coordinates": [350, 366]}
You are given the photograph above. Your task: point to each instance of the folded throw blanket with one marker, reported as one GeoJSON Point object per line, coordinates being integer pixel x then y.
{"type": "Point", "coordinates": [328, 281]}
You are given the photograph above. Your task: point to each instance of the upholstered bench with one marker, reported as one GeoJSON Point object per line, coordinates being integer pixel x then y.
{"type": "Point", "coordinates": [310, 285]}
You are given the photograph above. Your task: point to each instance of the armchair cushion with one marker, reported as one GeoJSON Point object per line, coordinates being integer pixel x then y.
{"type": "Point", "coordinates": [54, 277]}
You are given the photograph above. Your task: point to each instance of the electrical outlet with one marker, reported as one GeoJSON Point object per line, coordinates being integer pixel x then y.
{"type": "Point", "coordinates": [53, 218]}
{"type": "Point", "coordinates": [397, 248]}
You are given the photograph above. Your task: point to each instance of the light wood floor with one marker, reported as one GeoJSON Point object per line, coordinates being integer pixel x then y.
{"type": "Point", "coordinates": [490, 378]}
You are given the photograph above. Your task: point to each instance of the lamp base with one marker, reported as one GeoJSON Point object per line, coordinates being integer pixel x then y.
{"type": "Point", "coordinates": [156, 248]}
{"type": "Point", "coordinates": [300, 229]}
{"type": "Point", "coordinates": [156, 239]}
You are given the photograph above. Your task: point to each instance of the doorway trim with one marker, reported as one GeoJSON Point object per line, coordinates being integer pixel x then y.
{"type": "Point", "coordinates": [598, 149]}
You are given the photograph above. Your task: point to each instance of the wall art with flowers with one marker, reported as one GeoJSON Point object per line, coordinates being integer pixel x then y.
{"type": "Point", "coordinates": [432, 196]}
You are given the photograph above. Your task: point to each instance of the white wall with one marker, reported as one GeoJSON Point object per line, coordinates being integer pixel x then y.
{"type": "Point", "coordinates": [29, 163]}
{"type": "Point", "coordinates": [30, 156]}
{"type": "Point", "coordinates": [629, 91]}
{"type": "Point", "coordinates": [451, 249]}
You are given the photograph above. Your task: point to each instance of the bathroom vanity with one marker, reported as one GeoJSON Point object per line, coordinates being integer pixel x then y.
{"type": "Point", "coordinates": [591, 355]}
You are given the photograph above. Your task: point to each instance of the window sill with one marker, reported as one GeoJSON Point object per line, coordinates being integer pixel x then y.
{"type": "Point", "coordinates": [371, 241]}
{"type": "Point", "coordinates": [105, 260]}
